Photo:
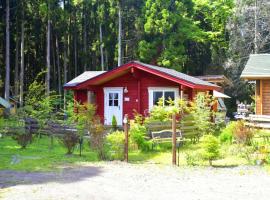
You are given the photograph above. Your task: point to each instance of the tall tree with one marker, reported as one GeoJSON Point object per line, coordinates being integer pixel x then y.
{"type": "Point", "coordinates": [48, 57]}
{"type": "Point", "coordinates": [22, 56]}
{"type": "Point", "coordinates": [119, 35]}
{"type": "Point", "coordinates": [7, 78]}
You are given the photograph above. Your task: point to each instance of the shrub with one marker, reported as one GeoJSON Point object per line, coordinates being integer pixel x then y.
{"type": "Point", "coordinates": [202, 113]}
{"type": "Point", "coordinates": [70, 140]}
{"type": "Point", "coordinates": [114, 123]}
{"type": "Point", "coordinates": [23, 139]}
{"type": "Point", "coordinates": [191, 158]}
{"type": "Point", "coordinates": [17, 128]}
{"type": "Point", "coordinates": [138, 136]}
{"type": "Point", "coordinates": [115, 142]}
{"type": "Point", "coordinates": [242, 133]}
{"type": "Point", "coordinates": [97, 138]}
{"type": "Point", "coordinates": [226, 135]}
{"type": "Point", "coordinates": [211, 148]}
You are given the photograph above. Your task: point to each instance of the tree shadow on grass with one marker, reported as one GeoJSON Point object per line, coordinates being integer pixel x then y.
{"type": "Point", "coordinates": [225, 166]}
{"type": "Point", "coordinates": [9, 178]}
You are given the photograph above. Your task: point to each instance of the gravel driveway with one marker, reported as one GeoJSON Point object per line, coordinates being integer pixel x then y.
{"type": "Point", "coordinates": [117, 181]}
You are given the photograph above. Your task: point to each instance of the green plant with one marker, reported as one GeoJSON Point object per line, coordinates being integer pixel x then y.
{"type": "Point", "coordinates": [115, 142]}
{"type": "Point", "coordinates": [81, 116]}
{"type": "Point", "coordinates": [70, 140]}
{"type": "Point", "coordinates": [191, 158]}
{"type": "Point", "coordinates": [201, 109]}
{"type": "Point", "coordinates": [242, 133]}
{"type": "Point", "coordinates": [97, 138]}
{"type": "Point", "coordinates": [114, 123]}
{"type": "Point", "coordinates": [226, 135]}
{"type": "Point", "coordinates": [210, 148]}
{"type": "Point", "coordinates": [138, 136]}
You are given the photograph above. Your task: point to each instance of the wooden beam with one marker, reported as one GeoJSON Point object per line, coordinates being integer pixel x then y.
{"type": "Point", "coordinates": [139, 96]}
{"type": "Point", "coordinates": [261, 96]}
{"type": "Point", "coordinates": [173, 139]}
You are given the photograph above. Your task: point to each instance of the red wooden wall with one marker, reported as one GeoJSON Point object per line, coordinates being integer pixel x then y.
{"type": "Point", "coordinates": [137, 84]}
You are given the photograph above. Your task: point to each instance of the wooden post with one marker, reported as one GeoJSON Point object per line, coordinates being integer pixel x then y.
{"type": "Point", "coordinates": [125, 122]}
{"type": "Point", "coordinates": [174, 139]}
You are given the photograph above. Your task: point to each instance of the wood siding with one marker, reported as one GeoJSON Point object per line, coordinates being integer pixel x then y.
{"type": "Point", "coordinates": [266, 97]}
{"type": "Point", "coordinates": [137, 84]}
{"type": "Point", "coordinates": [262, 94]}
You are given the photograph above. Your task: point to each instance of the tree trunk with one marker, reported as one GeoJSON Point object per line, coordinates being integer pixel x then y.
{"type": "Point", "coordinates": [7, 80]}
{"type": "Point", "coordinates": [54, 62]}
{"type": "Point", "coordinates": [58, 66]}
{"type": "Point", "coordinates": [22, 61]}
{"type": "Point", "coordinates": [48, 61]}
{"type": "Point", "coordinates": [101, 47]}
{"type": "Point", "coordinates": [16, 77]}
{"type": "Point", "coordinates": [119, 36]}
{"type": "Point", "coordinates": [65, 72]}
{"type": "Point", "coordinates": [255, 29]}
{"type": "Point", "coordinates": [84, 40]}
{"type": "Point", "coordinates": [75, 46]}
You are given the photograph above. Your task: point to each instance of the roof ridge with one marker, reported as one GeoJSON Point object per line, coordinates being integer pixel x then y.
{"type": "Point", "coordinates": [201, 82]}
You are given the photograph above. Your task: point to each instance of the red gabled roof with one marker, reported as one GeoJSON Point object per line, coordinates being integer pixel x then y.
{"type": "Point", "coordinates": [166, 73]}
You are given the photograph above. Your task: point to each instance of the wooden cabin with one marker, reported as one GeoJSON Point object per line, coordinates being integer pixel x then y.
{"type": "Point", "coordinates": [257, 69]}
{"type": "Point", "coordinates": [134, 86]}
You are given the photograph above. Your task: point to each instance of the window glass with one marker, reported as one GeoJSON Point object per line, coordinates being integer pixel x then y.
{"type": "Point", "coordinates": [110, 102]}
{"type": "Point", "coordinates": [168, 96]}
{"type": "Point", "coordinates": [110, 95]}
{"type": "Point", "coordinates": [115, 102]}
{"type": "Point", "coordinates": [115, 95]}
{"type": "Point", "coordinates": [156, 96]}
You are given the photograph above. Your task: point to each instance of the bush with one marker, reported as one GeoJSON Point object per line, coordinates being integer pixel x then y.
{"type": "Point", "coordinates": [242, 133]}
{"type": "Point", "coordinates": [226, 135]}
{"type": "Point", "coordinates": [202, 113]}
{"type": "Point", "coordinates": [191, 158]}
{"type": "Point", "coordinates": [23, 139]}
{"type": "Point", "coordinates": [138, 136]}
{"type": "Point", "coordinates": [115, 143]}
{"type": "Point", "coordinates": [70, 140]}
{"type": "Point", "coordinates": [211, 148]}
{"type": "Point", "coordinates": [114, 123]}
{"type": "Point", "coordinates": [97, 138]}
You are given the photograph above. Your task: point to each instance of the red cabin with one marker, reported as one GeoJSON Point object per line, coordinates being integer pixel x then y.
{"type": "Point", "coordinates": [133, 86]}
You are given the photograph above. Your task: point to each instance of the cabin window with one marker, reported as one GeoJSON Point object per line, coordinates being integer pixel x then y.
{"type": "Point", "coordinates": [155, 94]}
{"type": "Point", "coordinates": [90, 97]}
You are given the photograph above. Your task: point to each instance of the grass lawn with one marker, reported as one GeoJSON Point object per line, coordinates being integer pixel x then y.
{"type": "Point", "coordinates": [38, 157]}
{"type": "Point", "coordinates": [229, 157]}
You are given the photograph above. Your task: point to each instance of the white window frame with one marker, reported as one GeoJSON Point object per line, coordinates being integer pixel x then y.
{"type": "Point", "coordinates": [151, 90]}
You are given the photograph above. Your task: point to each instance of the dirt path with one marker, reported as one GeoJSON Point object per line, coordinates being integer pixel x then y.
{"type": "Point", "coordinates": [117, 181]}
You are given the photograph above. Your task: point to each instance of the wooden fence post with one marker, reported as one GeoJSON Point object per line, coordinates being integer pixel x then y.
{"type": "Point", "coordinates": [174, 139]}
{"type": "Point", "coordinates": [125, 122]}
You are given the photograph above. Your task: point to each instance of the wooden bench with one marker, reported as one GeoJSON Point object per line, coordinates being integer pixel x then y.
{"type": "Point", "coordinates": [165, 136]}
{"type": "Point", "coordinates": [188, 129]}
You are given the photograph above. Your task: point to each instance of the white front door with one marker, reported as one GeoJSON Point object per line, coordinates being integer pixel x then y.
{"type": "Point", "coordinates": [113, 105]}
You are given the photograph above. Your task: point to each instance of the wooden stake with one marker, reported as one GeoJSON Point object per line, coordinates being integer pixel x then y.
{"type": "Point", "coordinates": [173, 139]}
{"type": "Point", "coordinates": [125, 122]}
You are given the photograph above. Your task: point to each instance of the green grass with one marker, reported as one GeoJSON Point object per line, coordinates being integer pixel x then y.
{"type": "Point", "coordinates": [38, 157]}
{"type": "Point", "coordinates": [230, 156]}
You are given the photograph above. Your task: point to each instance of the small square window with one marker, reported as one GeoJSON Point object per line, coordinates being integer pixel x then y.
{"type": "Point", "coordinates": [156, 96]}
{"type": "Point", "coordinates": [110, 102]}
{"type": "Point", "coordinates": [169, 96]}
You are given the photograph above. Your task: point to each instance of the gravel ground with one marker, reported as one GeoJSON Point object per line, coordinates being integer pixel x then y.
{"type": "Point", "coordinates": [117, 181]}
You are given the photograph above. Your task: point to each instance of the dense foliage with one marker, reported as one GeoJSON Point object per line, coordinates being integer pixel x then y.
{"type": "Point", "coordinates": [66, 37]}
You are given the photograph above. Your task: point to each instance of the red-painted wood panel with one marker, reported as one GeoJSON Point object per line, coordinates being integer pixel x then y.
{"type": "Point", "coordinates": [137, 84]}
{"type": "Point", "coordinates": [80, 96]}
{"type": "Point", "coordinates": [126, 80]}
